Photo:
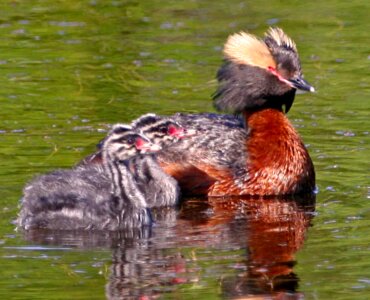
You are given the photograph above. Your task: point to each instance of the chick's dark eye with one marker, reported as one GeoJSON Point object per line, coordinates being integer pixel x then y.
{"type": "Point", "coordinates": [130, 140]}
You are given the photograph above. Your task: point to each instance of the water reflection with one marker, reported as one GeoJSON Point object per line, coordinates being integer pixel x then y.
{"type": "Point", "coordinates": [246, 246]}
{"type": "Point", "coordinates": [275, 231]}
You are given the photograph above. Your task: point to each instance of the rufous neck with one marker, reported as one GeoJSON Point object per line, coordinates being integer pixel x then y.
{"type": "Point", "coordinates": [250, 114]}
{"type": "Point", "coordinates": [274, 144]}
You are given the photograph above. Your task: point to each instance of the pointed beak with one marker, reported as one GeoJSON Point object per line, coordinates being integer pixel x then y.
{"type": "Point", "coordinates": [189, 132]}
{"type": "Point", "coordinates": [150, 147]}
{"type": "Point", "coordinates": [300, 84]}
{"type": "Point", "coordinates": [185, 133]}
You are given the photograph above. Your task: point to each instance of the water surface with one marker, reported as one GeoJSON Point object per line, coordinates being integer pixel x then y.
{"type": "Point", "coordinates": [70, 68]}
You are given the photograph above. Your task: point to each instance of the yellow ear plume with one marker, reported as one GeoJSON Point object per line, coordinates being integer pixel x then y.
{"type": "Point", "coordinates": [245, 48]}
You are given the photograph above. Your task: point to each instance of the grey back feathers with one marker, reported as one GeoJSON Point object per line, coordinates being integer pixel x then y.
{"type": "Point", "coordinates": [217, 142]}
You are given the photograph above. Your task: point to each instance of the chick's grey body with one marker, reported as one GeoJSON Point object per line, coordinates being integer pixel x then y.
{"type": "Point", "coordinates": [101, 197]}
{"type": "Point", "coordinates": [81, 198]}
{"type": "Point", "coordinates": [159, 188]}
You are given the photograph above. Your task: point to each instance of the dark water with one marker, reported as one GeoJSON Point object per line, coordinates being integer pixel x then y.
{"type": "Point", "coordinates": [69, 68]}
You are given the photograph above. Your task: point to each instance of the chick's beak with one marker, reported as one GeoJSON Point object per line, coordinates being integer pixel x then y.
{"type": "Point", "coordinates": [189, 132]}
{"type": "Point", "coordinates": [152, 148]}
{"type": "Point", "coordinates": [300, 84]}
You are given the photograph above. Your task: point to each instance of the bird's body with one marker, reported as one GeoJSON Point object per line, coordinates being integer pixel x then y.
{"type": "Point", "coordinates": [259, 153]}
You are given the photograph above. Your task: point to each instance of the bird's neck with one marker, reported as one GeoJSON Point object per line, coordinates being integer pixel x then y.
{"type": "Point", "coordinates": [275, 154]}
{"type": "Point", "coordinates": [268, 126]}
{"type": "Point", "coordinates": [124, 187]}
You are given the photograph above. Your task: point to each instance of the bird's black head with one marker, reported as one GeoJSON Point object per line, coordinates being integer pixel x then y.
{"type": "Point", "coordinates": [259, 73]}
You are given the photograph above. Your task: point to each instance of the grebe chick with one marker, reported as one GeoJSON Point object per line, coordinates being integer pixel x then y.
{"type": "Point", "coordinates": [162, 131]}
{"type": "Point", "coordinates": [91, 197]}
{"type": "Point", "coordinates": [159, 130]}
{"type": "Point", "coordinates": [159, 188]}
{"type": "Point", "coordinates": [262, 154]}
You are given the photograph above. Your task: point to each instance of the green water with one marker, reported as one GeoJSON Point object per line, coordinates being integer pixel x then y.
{"type": "Point", "coordinates": [69, 68]}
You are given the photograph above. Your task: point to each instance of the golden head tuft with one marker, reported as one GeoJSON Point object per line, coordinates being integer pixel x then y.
{"type": "Point", "coordinates": [245, 48]}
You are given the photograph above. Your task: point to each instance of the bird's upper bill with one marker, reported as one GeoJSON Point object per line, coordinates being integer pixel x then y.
{"type": "Point", "coordinates": [296, 82]}
{"type": "Point", "coordinates": [276, 53]}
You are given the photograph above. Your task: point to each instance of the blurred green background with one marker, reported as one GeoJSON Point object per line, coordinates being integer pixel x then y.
{"type": "Point", "coordinates": [69, 68]}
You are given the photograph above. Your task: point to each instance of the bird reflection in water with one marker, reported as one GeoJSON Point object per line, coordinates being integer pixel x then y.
{"type": "Point", "coordinates": [198, 243]}
{"type": "Point", "coordinates": [275, 231]}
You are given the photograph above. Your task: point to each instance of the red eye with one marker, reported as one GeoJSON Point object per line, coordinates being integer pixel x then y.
{"type": "Point", "coordinates": [273, 71]}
